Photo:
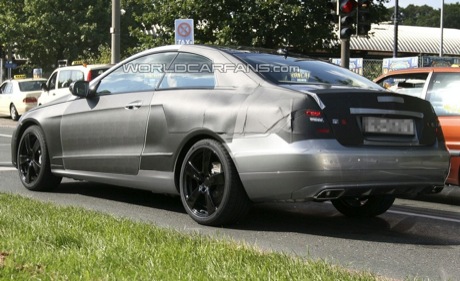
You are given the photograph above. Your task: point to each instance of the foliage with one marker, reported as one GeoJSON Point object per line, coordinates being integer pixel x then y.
{"type": "Point", "coordinates": [301, 25]}
{"type": "Point", "coordinates": [428, 16]}
{"type": "Point", "coordinates": [46, 31]}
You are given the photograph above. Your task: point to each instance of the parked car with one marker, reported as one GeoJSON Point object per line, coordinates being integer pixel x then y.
{"type": "Point", "coordinates": [440, 86]}
{"type": "Point", "coordinates": [224, 128]}
{"type": "Point", "coordinates": [58, 83]}
{"type": "Point", "coordinates": [18, 96]}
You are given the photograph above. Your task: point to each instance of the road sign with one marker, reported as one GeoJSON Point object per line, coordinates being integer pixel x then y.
{"type": "Point", "coordinates": [184, 34]}
{"type": "Point", "coordinates": [10, 64]}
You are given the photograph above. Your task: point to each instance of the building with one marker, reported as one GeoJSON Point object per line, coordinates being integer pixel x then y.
{"type": "Point", "coordinates": [412, 41]}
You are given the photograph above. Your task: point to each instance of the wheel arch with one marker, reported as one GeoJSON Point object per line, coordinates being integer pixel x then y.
{"type": "Point", "coordinates": [17, 138]}
{"type": "Point", "coordinates": [187, 143]}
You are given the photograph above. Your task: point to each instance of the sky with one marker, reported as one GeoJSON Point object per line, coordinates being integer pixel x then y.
{"type": "Point", "coordinates": [436, 4]}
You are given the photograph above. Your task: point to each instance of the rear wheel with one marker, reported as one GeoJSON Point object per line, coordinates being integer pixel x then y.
{"type": "Point", "coordinates": [14, 113]}
{"type": "Point", "coordinates": [33, 161]}
{"type": "Point", "coordinates": [210, 188]}
{"type": "Point", "coordinates": [370, 206]}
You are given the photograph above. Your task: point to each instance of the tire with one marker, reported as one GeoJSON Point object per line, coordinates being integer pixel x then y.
{"type": "Point", "coordinates": [210, 187]}
{"type": "Point", "coordinates": [364, 207]}
{"type": "Point", "coordinates": [14, 113]}
{"type": "Point", "coordinates": [33, 161]}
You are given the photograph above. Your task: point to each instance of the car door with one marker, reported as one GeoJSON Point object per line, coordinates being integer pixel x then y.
{"type": "Point", "coordinates": [49, 91]}
{"type": "Point", "coordinates": [444, 95]}
{"type": "Point", "coordinates": [106, 133]}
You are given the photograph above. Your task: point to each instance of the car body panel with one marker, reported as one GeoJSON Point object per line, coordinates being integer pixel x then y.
{"type": "Point", "coordinates": [139, 139]}
{"type": "Point", "coordinates": [439, 85]}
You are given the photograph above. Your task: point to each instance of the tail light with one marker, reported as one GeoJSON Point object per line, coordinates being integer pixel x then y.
{"type": "Point", "coordinates": [29, 100]}
{"type": "Point", "coordinates": [316, 116]}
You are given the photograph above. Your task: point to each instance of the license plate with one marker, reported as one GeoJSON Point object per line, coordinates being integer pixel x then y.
{"type": "Point", "coordinates": [388, 126]}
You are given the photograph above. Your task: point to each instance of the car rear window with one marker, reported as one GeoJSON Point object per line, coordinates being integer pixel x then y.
{"type": "Point", "coordinates": [281, 69]}
{"type": "Point", "coordinates": [29, 86]}
{"type": "Point", "coordinates": [409, 83]}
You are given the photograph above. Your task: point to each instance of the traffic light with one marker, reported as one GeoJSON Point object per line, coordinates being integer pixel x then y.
{"type": "Point", "coordinates": [2, 55]}
{"type": "Point", "coordinates": [347, 13]}
{"type": "Point", "coordinates": [363, 22]}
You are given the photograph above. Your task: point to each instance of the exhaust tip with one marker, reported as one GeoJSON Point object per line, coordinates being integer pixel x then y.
{"type": "Point", "coordinates": [437, 189]}
{"type": "Point", "coordinates": [329, 194]}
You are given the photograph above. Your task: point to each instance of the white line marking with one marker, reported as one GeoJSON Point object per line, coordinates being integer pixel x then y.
{"type": "Point", "coordinates": [5, 136]}
{"type": "Point", "coordinates": [3, 169]}
{"type": "Point", "coordinates": [424, 216]}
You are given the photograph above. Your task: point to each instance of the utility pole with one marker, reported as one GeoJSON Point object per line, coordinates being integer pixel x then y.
{"type": "Point", "coordinates": [395, 21]}
{"type": "Point", "coordinates": [115, 31]}
{"type": "Point", "coordinates": [441, 47]}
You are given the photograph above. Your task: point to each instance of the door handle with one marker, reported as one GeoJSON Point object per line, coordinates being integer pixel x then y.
{"type": "Point", "coordinates": [134, 105]}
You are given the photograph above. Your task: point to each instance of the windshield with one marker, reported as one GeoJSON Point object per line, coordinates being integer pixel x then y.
{"type": "Point", "coordinates": [290, 70]}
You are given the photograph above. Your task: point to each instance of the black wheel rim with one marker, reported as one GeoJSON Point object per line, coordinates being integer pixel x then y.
{"type": "Point", "coordinates": [355, 202]}
{"type": "Point", "coordinates": [30, 158]}
{"type": "Point", "coordinates": [13, 112]}
{"type": "Point", "coordinates": [204, 182]}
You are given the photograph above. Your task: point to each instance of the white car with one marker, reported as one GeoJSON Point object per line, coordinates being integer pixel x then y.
{"type": "Point", "coordinates": [58, 83]}
{"type": "Point", "coordinates": [18, 96]}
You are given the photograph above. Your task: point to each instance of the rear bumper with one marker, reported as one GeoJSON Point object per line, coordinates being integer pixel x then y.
{"type": "Point", "coordinates": [454, 173]}
{"type": "Point", "coordinates": [276, 170]}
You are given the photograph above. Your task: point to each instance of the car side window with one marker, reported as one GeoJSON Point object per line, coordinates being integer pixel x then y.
{"type": "Point", "coordinates": [189, 71]}
{"type": "Point", "coordinates": [52, 82]}
{"type": "Point", "coordinates": [141, 74]}
{"type": "Point", "coordinates": [67, 77]}
{"type": "Point", "coordinates": [7, 88]}
{"type": "Point", "coordinates": [443, 94]}
{"type": "Point", "coordinates": [408, 84]}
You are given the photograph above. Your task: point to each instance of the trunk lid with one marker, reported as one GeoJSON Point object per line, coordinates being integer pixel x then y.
{"type": "Point", "coordinates": [366, 117]}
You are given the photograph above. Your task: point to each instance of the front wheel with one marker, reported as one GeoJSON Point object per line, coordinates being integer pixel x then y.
{"type": "Point", "coordinates": [33, 161]}
{"type": "Point", "coordinates": [370, 206]}
{"type": "Point", "coordinates": [210, 187]}
{"type": "Point", "coordinates": [14, 113]}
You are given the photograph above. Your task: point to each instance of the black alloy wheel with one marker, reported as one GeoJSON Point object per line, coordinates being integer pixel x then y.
{"type": "Point", "coordinates": [33, 161]}
{"type": "Point", "coordinates": [210, 188]}
{"type": "Point", "coordinates": [369, 206]}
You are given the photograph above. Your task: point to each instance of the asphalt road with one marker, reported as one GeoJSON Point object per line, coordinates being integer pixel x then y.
{"type": "Point", "coordinates": [414, 238]}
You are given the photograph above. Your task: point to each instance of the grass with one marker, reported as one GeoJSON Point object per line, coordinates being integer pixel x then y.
{"type": "Point", "coordinates": [41, 241]}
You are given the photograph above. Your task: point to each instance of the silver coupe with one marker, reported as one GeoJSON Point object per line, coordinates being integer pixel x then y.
{"type": "Point", "coordinates": [224, 128]}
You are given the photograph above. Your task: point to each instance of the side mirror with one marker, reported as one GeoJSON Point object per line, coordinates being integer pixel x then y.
{"type": "Point", "coordinates": [44, 87]}
{"type": "Point", "coordinates": [79, 88]}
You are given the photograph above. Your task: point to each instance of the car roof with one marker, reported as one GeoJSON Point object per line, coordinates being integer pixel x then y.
{"type": "Point", "coordinates": [26, 79]}
{"type": "Point", "coordinates": [419, 70]}
{"type": "Point", "coordinates": [87, 66]}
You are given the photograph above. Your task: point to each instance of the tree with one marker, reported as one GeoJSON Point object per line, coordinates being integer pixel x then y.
{"type": "Point", "coordinates": [451, 12]}
{"type": "Point", "coordinates": [46, 31]}
{"type": "Point", "coordinates": [56, 29]}
{"type": "Point", "coordinates": [428, 16]}
{"type": "Point", "coordinates": [259, 23]}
